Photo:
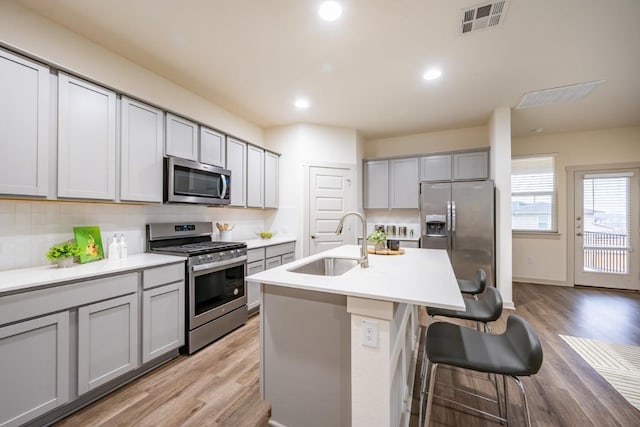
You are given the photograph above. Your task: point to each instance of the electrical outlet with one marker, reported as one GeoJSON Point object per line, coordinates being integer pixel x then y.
{"type": "Point", "coordinates": [370, 333]}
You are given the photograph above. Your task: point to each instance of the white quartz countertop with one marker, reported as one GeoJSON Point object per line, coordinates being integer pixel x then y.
{"type": "Point", "coordinates": [261, 243]}
{"type": "Point", "coordinates": [47, 275]}
{"type": "Point", "coordinates": [420, 276]}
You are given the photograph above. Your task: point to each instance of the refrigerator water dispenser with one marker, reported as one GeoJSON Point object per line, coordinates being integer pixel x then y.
{"type": "Point", "coordinates": [435, 225]}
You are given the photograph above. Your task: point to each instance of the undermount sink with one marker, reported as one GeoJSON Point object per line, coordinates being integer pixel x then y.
{"type": "Point", "coordinates": [326, 266]}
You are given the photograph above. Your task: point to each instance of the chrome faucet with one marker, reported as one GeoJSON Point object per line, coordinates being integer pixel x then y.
{"type": "Point", "coordinates": [364, 254]}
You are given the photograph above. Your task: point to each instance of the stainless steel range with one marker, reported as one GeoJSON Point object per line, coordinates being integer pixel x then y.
{"type": "Point", "coordinates": [216, 295]}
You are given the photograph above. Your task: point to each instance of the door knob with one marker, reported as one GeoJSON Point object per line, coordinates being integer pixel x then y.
{"type": "Point", "coordinates": [313, 236]}
{"type": "Point", "coordinates": [578, 234]}
{"type": "Point", "coordinates": [579, 218]}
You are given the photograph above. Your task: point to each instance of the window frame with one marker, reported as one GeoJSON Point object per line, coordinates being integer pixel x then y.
{"type": "Point", "coordinates": [553, 194]}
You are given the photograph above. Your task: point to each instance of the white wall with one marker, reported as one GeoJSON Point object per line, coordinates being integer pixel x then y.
{"type": "Point", "coordinates": [30, 33]}
{"type": "Point", "coordinates": [429, 142]}
{"type": "Point", "coordinates": [543, 259]}
{"type": "Point", "coordinates": [301, 144]}
{"type": "Point", "coordinates": [500, 136]}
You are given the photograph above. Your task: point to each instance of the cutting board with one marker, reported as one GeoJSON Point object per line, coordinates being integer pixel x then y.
{"type": "Point", "coordinates": [385, 251]}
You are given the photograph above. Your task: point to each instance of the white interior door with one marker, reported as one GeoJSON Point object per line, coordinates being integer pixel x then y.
{"type": "Point", "coordinates": [606, 228]}
{"type": "Point", "coordinates": [331, 195]}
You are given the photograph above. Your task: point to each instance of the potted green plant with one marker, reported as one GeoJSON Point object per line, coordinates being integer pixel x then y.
{"type": "Point", "coordinates": [378, 238]}
{"type": "Point", "coordinates": [63, 253]}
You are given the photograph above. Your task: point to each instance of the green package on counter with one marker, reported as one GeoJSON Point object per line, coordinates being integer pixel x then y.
{"type": "Point", "coordinates": [90, 243]}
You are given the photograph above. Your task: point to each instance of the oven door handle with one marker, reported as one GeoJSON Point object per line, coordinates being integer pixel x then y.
{"type": "Point", "coordinates": [218, 264]}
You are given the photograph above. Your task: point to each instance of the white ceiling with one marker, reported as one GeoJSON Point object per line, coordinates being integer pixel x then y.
{"type": "Point", "coordinates": [364, 71]}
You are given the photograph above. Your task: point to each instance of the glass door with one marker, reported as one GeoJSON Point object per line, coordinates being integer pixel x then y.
{"type": "Point", "coordinates": [606, 229]}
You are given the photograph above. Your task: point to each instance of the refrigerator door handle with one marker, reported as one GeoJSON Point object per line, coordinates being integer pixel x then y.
{"type": "Point", "coordinates": [453, 225]}
{"type": "Point", "coordinates": [448, 219]}
{"type": "Point", "coordinates": [453, 216]}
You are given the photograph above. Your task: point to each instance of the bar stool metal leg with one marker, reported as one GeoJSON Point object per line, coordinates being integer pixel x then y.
{"type": "Point", "coordinates": [525, 406]}
{"type": "Point", "coordinates": [432, 383]}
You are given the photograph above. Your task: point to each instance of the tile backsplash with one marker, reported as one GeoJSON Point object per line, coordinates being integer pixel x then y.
{"type": "Point", "coordinates": [409, 218]}
{"type": "Point", "coordinates": [29, 228]}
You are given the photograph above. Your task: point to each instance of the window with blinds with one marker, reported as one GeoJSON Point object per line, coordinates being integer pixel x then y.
{"type": "Point", "coordinates": [607, 222]}
{"type": "Point", "coordinates": [533, 193]}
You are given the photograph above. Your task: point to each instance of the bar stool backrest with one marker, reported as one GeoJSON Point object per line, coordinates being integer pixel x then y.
{"type": "Point", "coordinates": [492, 300]}
{"type": "Point", "coordinates": [525, 342]}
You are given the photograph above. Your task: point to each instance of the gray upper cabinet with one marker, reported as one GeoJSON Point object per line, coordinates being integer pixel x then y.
{"type": "Point", "coordinates": [34, 368]}
{"type": "Point", "coordinates": [456, 166]}
{"type": "Point", "coordinates": [376, 181]}
{"type": "Point", "coordinates": [237, 164]}
{"type": "Point", "coordinates": [435, 168]}
{"type": "Point", "coordinates": [212, 147]}
{"type": "Point", "coordinates": [271, 180]}
{"type": "Point", "coordinates": [471, 165]}
{"type": "Point", "coordinates": [141, 143]}
{"type": "Point", "coordinates": [24, 129]}
{"type": "Point", "coordinates": [404, 186]}
{"type": "Point", "coordinates": [182, 138]}
{"type": "Point", "coordinates": [86, 140]}
{"type": "Point", "coordinates": [255, 177]}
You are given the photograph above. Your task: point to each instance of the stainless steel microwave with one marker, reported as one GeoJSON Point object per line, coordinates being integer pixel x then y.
{"type": "Point", "coordinates": [186, 181]}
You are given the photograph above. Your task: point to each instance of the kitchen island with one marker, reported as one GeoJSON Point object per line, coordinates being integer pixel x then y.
{"type": "Point", "coordinates": [341, 350]}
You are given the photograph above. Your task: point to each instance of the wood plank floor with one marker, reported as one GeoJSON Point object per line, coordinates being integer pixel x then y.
{"type": "Point", "coordinates": [218, 386]}
{"type": "Point", "coordinates": [566, 391]}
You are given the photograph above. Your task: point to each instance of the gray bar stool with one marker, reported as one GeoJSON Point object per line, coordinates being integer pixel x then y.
{"type": "Point", "coordinates": [515, 353]}
{"type": "Point", "coordinates": [474, 286]}
{"type": "Point", "coordinates": [488, 308]}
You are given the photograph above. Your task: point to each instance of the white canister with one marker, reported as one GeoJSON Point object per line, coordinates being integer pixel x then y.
{"type": "Point", "coordinates": [225, 236]}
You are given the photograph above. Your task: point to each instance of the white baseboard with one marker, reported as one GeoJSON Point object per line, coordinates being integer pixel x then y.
{"type": "Point", "coordinates": [537, 281]}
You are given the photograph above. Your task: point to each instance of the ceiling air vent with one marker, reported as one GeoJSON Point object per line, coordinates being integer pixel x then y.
{"type": "Point", "coordinates": [558, 95]}
{"type": "Point", "coordinates": [483, 16]}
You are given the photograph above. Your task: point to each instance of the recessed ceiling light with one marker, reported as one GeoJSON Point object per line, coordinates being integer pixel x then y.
{"type": "Point", "coordinates": [330, 10]}
{"type": "Point", "coordinates": [302, 103]}
{"type": "Point", "coordinates": [432, 74]}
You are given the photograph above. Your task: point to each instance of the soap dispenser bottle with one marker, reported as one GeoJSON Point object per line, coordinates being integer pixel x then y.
{"type": "Point", "coordinates": [123, 247]}
{"type": "Point", "coordinates": [114, 248]}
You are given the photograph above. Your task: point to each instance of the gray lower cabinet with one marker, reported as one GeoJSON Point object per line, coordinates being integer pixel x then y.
{"type": "Point", "coordinates": [82, 339]}
{"type": "Point", "coordinates": [162, 310]}
{"type": "Point", "coordinates": [107, 341]}
{"type": "Point", "coordinates": [273, 262]}
{"type": "Point", "coordinates": [34, 367]}
{"type": "Point", "coordinates": [260, 259]}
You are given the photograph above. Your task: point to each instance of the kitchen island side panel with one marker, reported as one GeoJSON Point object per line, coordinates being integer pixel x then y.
{"type": "Point", "coordinates": [306, 357]}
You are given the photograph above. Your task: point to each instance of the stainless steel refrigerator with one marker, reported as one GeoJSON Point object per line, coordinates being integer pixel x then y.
{"type": "Point", "coordinates": [460, 217]}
